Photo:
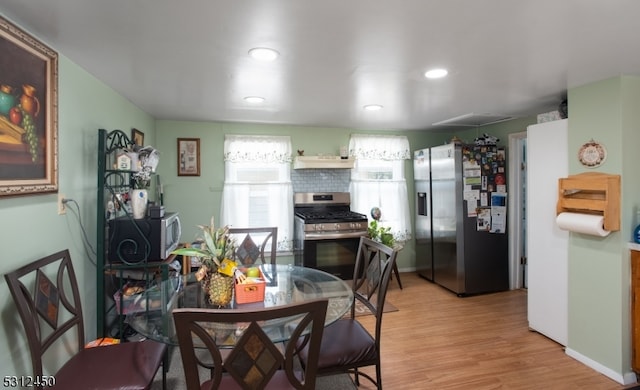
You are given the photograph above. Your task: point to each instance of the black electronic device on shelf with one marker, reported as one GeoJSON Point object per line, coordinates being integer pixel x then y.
{"type": "Point", "coordinates": [133, 241]}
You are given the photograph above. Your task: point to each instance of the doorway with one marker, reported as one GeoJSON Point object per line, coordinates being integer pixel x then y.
{"type": "Point", "coordinates": [518, 210]}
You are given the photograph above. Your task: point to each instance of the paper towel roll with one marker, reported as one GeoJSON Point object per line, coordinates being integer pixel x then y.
{"type": "Point", "coordinates": [582, 223]}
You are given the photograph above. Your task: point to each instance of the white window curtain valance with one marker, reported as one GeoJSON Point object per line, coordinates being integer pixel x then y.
{"type": "Point", "coordinates": [257, 187]}
{"type": "Point", "coordinates": [379, 147]}
{"type": "Point", "coordinates": [378, 180]}
{"type": "Point", "coordinates": [257, 148]}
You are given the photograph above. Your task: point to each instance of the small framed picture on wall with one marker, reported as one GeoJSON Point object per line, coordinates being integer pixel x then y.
{"type": "Point", "coordinates": [137, 137]}
{"type": "Point", "coordinates": [188, 156]}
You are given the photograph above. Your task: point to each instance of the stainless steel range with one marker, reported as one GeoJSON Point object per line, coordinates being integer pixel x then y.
{"type": "Point", "coordinates": [327, 232]}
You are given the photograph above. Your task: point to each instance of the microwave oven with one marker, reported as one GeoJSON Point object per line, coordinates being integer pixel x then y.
{"type": "Point", "coordinates": [133, 241]}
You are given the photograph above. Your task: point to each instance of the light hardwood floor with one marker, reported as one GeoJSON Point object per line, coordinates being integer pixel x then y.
{"type": "Point", "coordinates": [440, 341]}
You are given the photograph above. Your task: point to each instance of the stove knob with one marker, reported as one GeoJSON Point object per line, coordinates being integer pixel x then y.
{"type": "Point", "coordinates": [336, 226]}
{"type": "Point", "coordinates": [319, 226]}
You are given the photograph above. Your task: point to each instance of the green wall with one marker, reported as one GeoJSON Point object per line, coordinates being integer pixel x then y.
{"type": "Point", "coordinates": [599, 268]}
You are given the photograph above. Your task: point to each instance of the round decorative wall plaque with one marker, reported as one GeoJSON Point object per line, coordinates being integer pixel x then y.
{"type": "Point", "coordinates": [592, 154]}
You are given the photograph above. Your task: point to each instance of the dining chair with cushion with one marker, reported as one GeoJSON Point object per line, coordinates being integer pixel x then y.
{"type": "Point", "coordinates": [252, 360]}
{"type": "Point", "coordinates": [252, 244]}
{"type": "Point", "coordinates": [47, 298]}
{"type": "Point", "coordinates": [346, 345]}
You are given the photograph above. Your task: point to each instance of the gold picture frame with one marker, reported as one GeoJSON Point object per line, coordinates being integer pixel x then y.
{"type": "Point", "coordinates": [137, 137]}
{"type": "Point", "coordinates": [28, 114]}
{"type": "Point", "coordinates": [188, 156]}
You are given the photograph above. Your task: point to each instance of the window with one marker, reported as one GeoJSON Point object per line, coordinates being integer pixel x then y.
{"type": "Point", "coordinates": [378, 180]}
{"type": "Point", "coordinates": [257, 186]}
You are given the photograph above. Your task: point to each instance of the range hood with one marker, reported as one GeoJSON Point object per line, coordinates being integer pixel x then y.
{"type": "Point", "coordinates": [322, 162]}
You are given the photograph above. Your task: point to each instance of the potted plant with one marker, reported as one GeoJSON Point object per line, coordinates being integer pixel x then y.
{"type": "Point", "coordinates": [381, 234]}
{"type": "Point", "coordinates": [378, 232]}
{"type": "Point", "coordinates": [215, 252]}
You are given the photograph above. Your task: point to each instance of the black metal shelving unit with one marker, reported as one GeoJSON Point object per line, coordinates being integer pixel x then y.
{"type": "Point", "coordinates": [113, 182]}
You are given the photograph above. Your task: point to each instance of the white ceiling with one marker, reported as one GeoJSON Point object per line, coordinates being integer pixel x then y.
{"type": "Point", "coordinates": [187, 60]}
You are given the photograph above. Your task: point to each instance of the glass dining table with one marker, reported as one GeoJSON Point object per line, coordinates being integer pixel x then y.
{"type": "Point", "coordinates": [284, 284]}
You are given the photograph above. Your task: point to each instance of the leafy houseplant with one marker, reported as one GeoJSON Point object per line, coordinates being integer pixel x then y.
{"type": "Point", "coordinates": [381, 234]}
{"type": "Point", "coordinates": [215, 252]}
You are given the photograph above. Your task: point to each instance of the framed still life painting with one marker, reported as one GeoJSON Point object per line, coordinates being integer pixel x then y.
{"type": "Point", "coordinates": [28, 114]}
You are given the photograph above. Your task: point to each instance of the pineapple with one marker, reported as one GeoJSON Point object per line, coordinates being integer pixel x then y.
{"type": "Point", "coordinates": [219, 289]}
{"type": "Point", "coordinates": [216, 248]}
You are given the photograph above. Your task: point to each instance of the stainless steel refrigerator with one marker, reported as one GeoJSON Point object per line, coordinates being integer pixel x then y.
{"type": "Point", "coordinates": [461, 233]}
{"type": "Point", "coordinates": [422, 231]}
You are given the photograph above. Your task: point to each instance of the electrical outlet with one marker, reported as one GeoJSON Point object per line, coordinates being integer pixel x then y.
{"type": "Point", "coordinates": [62, 208]}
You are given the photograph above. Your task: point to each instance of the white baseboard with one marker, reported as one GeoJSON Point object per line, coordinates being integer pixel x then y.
{"type": "Point", "coordinates": [624, 379]}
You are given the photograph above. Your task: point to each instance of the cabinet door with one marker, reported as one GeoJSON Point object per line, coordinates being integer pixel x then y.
{"type": "Point", "coordinates": [547, 245]}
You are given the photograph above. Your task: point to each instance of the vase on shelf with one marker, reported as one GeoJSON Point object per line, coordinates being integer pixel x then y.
{"type": "Point", "coordinates": [139, 198]}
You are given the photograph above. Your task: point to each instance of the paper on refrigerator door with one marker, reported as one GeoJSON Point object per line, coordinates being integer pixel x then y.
{"type": "Point", "coordinates": [498, 212]}
{"type": "Point", "coordinates": [471, 196]}
{"type": "Point", "coordinates": [483, 223]}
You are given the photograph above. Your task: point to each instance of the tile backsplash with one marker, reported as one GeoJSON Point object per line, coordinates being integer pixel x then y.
{"type": "Point", "coordinates": [320, 180]}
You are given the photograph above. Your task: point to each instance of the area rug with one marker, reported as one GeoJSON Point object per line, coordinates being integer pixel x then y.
{"type": "Point", "coordinates": [361, 310]}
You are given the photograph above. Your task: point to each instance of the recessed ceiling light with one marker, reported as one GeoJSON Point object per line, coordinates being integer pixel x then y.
{"type": "Point", "coordinates": [254, 99]}
{"type": "Point", "coordinates": [435, 73]}
{"type": "Point", "coordinates": [263, 54]}
{"type": "Point", "coordinates": [373, 107]}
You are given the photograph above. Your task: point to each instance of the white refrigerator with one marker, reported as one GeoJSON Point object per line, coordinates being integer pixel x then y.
{"type": "Point", "coordinates": [547, 245]}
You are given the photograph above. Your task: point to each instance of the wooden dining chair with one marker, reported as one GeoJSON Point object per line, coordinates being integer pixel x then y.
{"type": "Point", "coordinates": [251, 360]}
{"type": "Point", "coordinates": [255, 244]}
{"type": "Point", "coordinates": [346, 345]}
{"type": "Point", "coordinates": [50, 307]}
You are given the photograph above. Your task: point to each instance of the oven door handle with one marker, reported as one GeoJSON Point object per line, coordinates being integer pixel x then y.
{"type": "Point", "coordinates": [333, 236]}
